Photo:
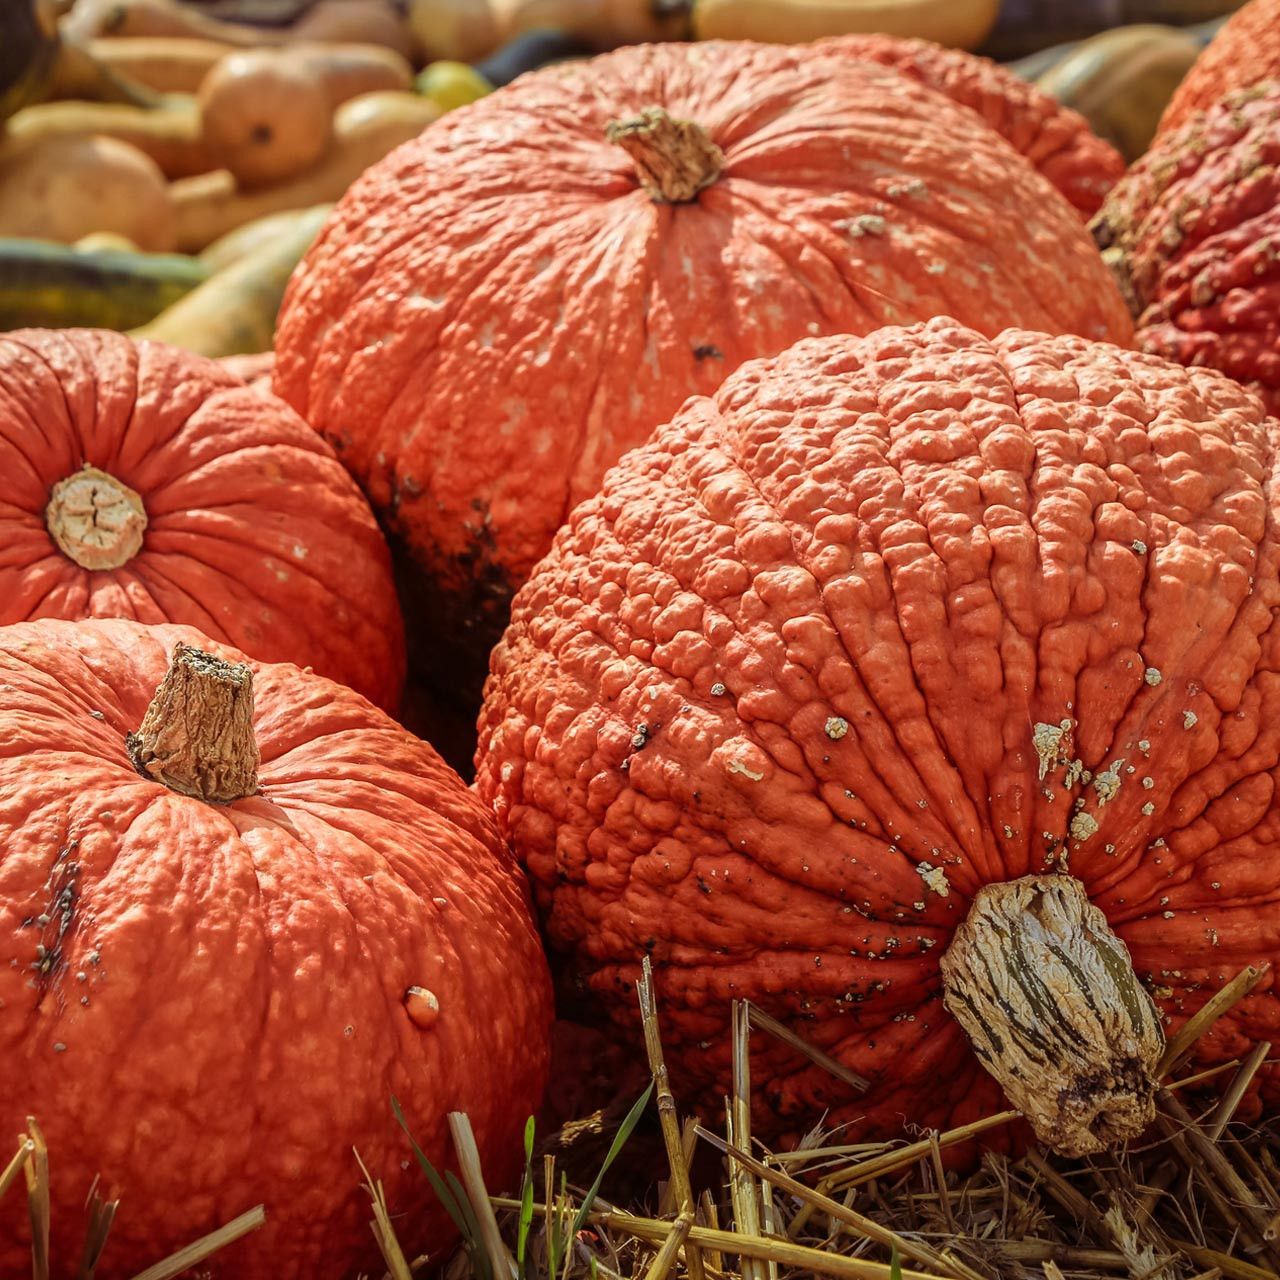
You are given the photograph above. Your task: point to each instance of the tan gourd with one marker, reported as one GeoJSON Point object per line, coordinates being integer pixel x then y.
{"type": "Point", "coordinates": [604, 24]}
{"type": "Point", "coordinates": [167, 64]}
{"type": "Point", "coordinates": [365, 129]}
{"type": "Point", "coordinates": [92, 18]}
{"type": "Point", "coordinates": [961, 24]}
{"type": "Point", "coordinates": [234, 311]}
{"type": "Point", "coordinates": [354, 22]}
{"type": "Point", "coordinates": [169, 134]}
{"type": "Point", "coordinates": [348, 70]}
{"type": "Point", "coordinates": [455, 30]}
{"type": "Point", "coordinates": [1122, 80]}
{"type": "Point", "coordinates": [62, 188]}
{"type": "Point", "coordinates": [247, 239]}
{"type": "Point", "coordinates": [265, 116]}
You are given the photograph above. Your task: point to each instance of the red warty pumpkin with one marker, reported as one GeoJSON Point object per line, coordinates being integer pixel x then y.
{"type": "Point", "coordinates": [500, 308]}
{"type": "Point", "coordinates": [898, 665]}
{"type": "Point", "coordinates": [1245, 50]}
{"type": "Point", "coordinates": [1054, 138]}
{"type": "Point", "coordinates": [206, 1005]}
{"type": "Point", "coordinates": [1193, 235]}
{"type": "Point", "coordinates": [140, 481]}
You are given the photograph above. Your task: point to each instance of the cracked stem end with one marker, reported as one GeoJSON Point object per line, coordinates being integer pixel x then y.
{"type": "Point", "coordinates": [95, 520]}
{"type": "Point", "coordinates": [1050, 1002]}
{"type": "Point", "coordinates": [674, 159]}
{"type": "Point", "coordinates": [197, 736]}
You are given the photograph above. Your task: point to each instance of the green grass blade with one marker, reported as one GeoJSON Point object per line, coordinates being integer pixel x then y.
{"type": "Point", "coordinates": [625, 1129]}
{"type": "Point", "coordinates": [526, 1200]}
{"type": "Point", "coordinates": [453, 1197]}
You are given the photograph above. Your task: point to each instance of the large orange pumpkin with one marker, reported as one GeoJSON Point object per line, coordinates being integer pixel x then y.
{"type": "Point", "coordinates": [215, 977]}
{"type": "Point", "coordinates": [899, 666]}
{"type": "Point", "coordinates": [1054, 138]}
{"type": "Point", "coordinates": [501, 308]}
{"type": "Point", "coordinates": [141, 481]}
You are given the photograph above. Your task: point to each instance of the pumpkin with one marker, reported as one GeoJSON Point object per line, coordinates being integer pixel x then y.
{"type": "Point", "coordinates": [502, 307]}
{"type": "Point", "coordinates": [1191, 233]}
{"type": "Point", "coordinates": [235, 921]}
{"type": "Point", "coordinates": [254, 370]}
{"type": "Point", "coordinates": [1245, 50]}
{"type": "Point", "coordinates": [1056, 139]}
{"type": "Point", "coordinates": [141, 481]}
{"type": "Point", "coordinates": [895, 665]}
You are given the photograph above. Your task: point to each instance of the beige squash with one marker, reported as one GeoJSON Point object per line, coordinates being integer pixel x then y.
{"type": "Point", "coordinates": [264, 116]}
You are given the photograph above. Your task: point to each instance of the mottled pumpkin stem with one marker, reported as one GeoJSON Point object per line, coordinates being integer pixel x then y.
{"type": "Point", "coordinates": [1050, 1002]}
{"type": "Point", "coordinates": [674, 159]}
{"type": "Point", "coordinates": [197, 736]}
{"type": "Point", "coordinates": [95, 519]}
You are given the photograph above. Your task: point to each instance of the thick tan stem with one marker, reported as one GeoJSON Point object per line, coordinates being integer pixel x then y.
{"type": "Point", "coordinates": [1049, 1000]}
{"type": "Point", "coordinates": [95, 519]}
{"type": "Point", "coordinates": [197, 736]}
{"type": "Point", "coordinates": [674, 159]}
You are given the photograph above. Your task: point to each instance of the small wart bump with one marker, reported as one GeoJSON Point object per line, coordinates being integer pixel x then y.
{"type": "Point", "coordinates": [1152, 676]}
{"type": "Point", "coordinates": [1108, 784]}
{"type": "Point", "coordinates": [836, 727]}
{"type": "Point", "coordinates": [935, 878]}
{"type": "Point", "coordinates": [1083, 825]}
{"type": "Point", "coordinates": [717, 690]}
{"type": "Point", "coordinates": [1045, 738]}
{"type": "Point", "coordinates": [1148, 808]}
{"type": "Point", "coordinates": [1189, 719]}
{"type": "Point", "coordinates": [1148, 783]}
{"type": "Point", "coordinates": [1139, 546]}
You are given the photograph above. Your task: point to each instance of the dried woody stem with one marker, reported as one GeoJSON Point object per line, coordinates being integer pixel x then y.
{"type": "Point", "coordinates": [674, 159]}
{"type": "Point", "coordinates": [1048, 997]}
{"type": "Point", "coordinates": [197, 735]}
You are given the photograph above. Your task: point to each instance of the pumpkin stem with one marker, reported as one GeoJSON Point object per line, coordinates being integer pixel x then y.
{"type": "Point", "coordinates": [1048, 997]}
{"type": "Point", "coordinates": [674, 159]}
{"type": "Point", "coordinates": [197, 736]}
{"type": "Point", "coordinates": [95, 519]}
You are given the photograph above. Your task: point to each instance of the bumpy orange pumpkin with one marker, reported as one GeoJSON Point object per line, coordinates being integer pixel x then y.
{"type": "Point", "coordinates": [1193, 235]}
{"type": "Point", "coordinates": [899, 665]}
{"type": "Point", "coordinates": [232, 927]}
{"type": "Point", "coordinates": [1246, 50]}
{"type": "Point", "coordinates": [500, 308]}
{"type": "Point", "coordinates": [1054, 138]}
{"type": "Point", "coordinates": [141, 481]}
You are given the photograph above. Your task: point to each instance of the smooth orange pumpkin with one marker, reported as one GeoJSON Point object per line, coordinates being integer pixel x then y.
{"type": "Point", "coordinates": [140, 481]}
{"type": "Point", "coordinates": [234, 923]}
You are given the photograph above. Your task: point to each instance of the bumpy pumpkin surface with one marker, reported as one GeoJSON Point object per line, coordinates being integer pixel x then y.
{"type": "Point", "coordinates": [500, 308]}
{"type": "Point", "coordinates": [1193, 235]}
{"type": "Point", "coordinates": [1056, 139]}
{"type": "Point", "coordinates": [207, 1006]}
{"type": "Point", "coordinates": [1245, 50]}
{"type": "Point", "coordinates": [140, 481]}
{"type": "Point", "coordinates": [885, 622]}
